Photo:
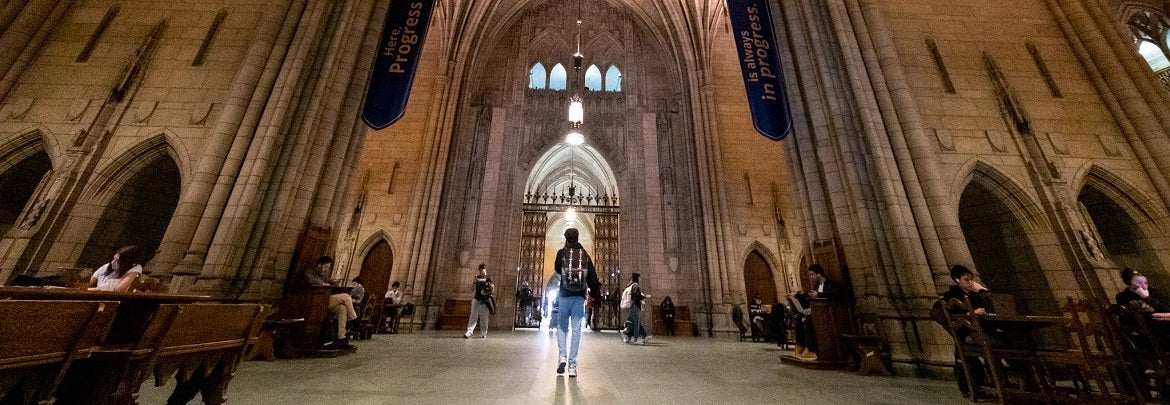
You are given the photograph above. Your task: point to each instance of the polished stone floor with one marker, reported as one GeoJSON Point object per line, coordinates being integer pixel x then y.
{"type": "Point", "coordinates": [519, 367]}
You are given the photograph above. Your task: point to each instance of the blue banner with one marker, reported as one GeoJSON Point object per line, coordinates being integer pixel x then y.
{"type": "Point", "coordinates": [398, 58]}
{"type": "Point", "coordinates": [751, 24]}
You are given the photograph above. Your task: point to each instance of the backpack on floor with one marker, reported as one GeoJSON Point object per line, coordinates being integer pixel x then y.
{"type": "Point", "coordinates": [627, 301]}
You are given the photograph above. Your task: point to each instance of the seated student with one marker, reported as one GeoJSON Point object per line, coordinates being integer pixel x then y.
{"type": "Point", "coordinates": [1140, 298]}
{"type": "Point", "coordinates": [823, 287]}
{"type": "Point", "coordinates": [119, 274]}
{"type": "Point", "coordinates": [756, 313]}
{"type": "Point", "coordinates": [340, 305]}
{"type": "Point", "coordinates": [979, 296]}
{"type": "Point", "coordinates": [393, 297]}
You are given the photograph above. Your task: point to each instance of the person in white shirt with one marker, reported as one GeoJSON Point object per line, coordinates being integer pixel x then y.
{"type": "Point", "coordinates": [394, 296]}
{"type": "Point", "coordinates": [119, 274]}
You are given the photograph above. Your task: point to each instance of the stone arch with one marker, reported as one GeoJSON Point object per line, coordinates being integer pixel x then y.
{"type": "Point", "coordinates": [756, 253]}
{"type": "Point", "coordinates": [130, 201]}
{"type": "Point", "coordinates": [1007, 189]}
{"type": "Point", "coordinates": [1124, 229]}
{"type": "Point", "coordinates": [1002, 233]}
{"type": "Point", "coordinates": [24, 165]}
{"type": "Point", "coordinates": [377, 267]}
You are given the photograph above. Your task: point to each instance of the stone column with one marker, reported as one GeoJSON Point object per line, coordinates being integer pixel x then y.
{"type": "Point", "coordinates": [22, 41]}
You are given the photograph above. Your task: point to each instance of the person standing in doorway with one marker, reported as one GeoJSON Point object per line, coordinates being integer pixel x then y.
{"type": "Point", "coordinates": [481, 306]}
{"type": "Point", "coordinates": [634, 319]}
{"type": "Point", "coordinates": [578, 279]}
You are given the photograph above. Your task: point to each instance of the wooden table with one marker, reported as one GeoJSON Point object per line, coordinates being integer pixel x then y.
{"type": "Point", "coordinates": [1019, 329]}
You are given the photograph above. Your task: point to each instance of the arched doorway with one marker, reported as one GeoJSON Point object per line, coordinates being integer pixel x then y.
{"type": "Point", "coordinates": [1002, 252]}
{"type": "Point", "coordinates": [138, 213]}
{"type": "Point", "coordinates": [375, 273]}
{"type": "Point", "coordinates": [18, 184]}
{"type": "Point", "coordinates": [1122, 239]}
{"type": "Point", "coordinates": [758, 279]}
{"type": "Point", "coordinates": [569, 186]}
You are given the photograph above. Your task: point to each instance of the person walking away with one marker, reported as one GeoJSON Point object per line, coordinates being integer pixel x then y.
{"type": "Point", "coordinates": [578, 278]}
{"type": "Point", "coordinates": [634, 318]}
{"type": "Point", "coordinates": [482, 305]}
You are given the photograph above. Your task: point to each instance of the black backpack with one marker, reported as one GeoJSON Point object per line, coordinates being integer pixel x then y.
{"type": "Point", "coordinates": [573, 270]}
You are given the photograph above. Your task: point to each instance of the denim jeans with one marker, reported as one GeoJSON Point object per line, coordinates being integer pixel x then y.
{"type": "Point", "coordinates": [569, 318]}
{"type": "Point", "coordinates": [635, 320]}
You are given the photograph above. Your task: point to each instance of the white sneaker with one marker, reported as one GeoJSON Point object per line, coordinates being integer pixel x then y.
{"type": "Point", "coordinates": [573, 370]}
{"type": "Point", "coordinates": [467, 335]}
{"type": "Point", "coordinates": [561, 365]}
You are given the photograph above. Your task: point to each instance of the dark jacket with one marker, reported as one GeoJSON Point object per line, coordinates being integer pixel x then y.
{"type": "Point", "coordinates": [590, 278]}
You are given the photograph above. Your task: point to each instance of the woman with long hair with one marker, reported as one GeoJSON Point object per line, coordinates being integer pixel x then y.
{"type": "Point", "coordinates": [120, 272]}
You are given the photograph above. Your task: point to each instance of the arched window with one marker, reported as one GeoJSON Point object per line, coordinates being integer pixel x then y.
{"type": "Point", "coordinates": [537, 76]}
{"type": "Point", "coordinates": [593, 78]}
{"type": "Point", "coordinates": [613, 79]}
{"type": "Point", "coordinates": [557, 79]}
{"type": "Point", "coordinates": [1153, 55]}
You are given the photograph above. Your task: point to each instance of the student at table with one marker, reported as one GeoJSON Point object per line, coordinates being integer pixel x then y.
{"type": "Point", "coordinates": [967, 286]}
{"type": "Point", "coordinates": [119, 274]}
{"type": "Point", "coordinates": [1139, 297]}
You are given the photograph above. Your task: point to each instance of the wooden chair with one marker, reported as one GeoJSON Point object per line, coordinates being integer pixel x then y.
{"type": "Point", "coordinates": [971, 340]}
{"type": "Point", "coordinates": [737, 317]}
{"type": "Point", "coordinates": [868, 348]}
{"type": "Point", "coordinates": [40, 341]}
{"type": "Point", "coordinates": [406, 311]}
{"type": "Point", "coordinates": [1093, 365]}
{"type": "Point", "coordinates": [1142, 352]}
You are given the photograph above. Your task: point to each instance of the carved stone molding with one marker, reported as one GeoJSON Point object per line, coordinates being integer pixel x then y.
{"type": "Point", "coordinates": [200, 113]}
{"type": "Point", "coordinates": [945, 142]}
{"type": "Point", "coordinates": [16, 109]}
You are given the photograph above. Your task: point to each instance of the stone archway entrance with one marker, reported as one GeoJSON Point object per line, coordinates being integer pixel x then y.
{"type": "Point", "coordinates": [375, 274]}
{"type": "Point", "coordinates": [1003, 254]}
{"type": "Point", "coordinates": [570, 186]}
{"type": "Point", "coordinates": [19, 183]}
{"type": "Point", "coordinates": [138, 214]}
{"type": "Point", "coordinates": [758, 278]}
{"type": "Point", "coordinates": [1122, 239]}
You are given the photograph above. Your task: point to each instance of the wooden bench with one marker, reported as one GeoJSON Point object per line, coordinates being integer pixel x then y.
{"type": "Point", "coordinates": [40, 339]}
{"type": "Point", "coordinates": [683, 325]}
{"type": "Point", "coordinates": [200, 344]}
{"type": "Point", "coordinates": [867, 348]}
{"type": "Point", "coordinates": [455, 315]}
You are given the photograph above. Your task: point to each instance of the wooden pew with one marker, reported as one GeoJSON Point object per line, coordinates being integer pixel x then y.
{"type": "Point", "coordinates": [40, 339]}
{"type": "Point", "coordinates": [455, 315]}
{"type": "Point", "coordinates": [201, 344]}
{"type": "Point", "coordinates": [683, 325]}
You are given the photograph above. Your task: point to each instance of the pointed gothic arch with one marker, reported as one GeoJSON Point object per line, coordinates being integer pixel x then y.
{"type": "Point", "coordinates": [1002, 239]}
{"type": "Point", "coordinates": [136, 196]}
{"type": "Point", "coordinates": [24, 166]}
{"type": "Point", "coordinates": [1123, 224]}
{"type": "Point", "coordinates": [760, 268]}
